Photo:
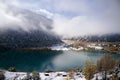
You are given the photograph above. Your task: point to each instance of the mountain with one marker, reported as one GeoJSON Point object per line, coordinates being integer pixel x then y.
{"type": "Point", "coordinates": [26, 29]}
{"type": "Point", "coordinates": [23, 39]}
{"type": "Point", "coordinates": [98, 38]}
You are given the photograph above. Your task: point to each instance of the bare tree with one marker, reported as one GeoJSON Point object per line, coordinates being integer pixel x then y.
{"type": "Point", "coordinates": [106, 63]}
{"type": "Point", "coordinates": [89, 70]}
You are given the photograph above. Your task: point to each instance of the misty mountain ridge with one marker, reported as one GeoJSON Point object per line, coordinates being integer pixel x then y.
{"type": "Point", "coordinates": [27, 30]}
{"type": "Point", "coordinates": [98, 38]}
{"type": "Point", "coordinates": [26, 20]}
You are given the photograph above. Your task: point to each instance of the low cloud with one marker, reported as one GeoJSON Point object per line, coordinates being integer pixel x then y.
{"type": "Point", "coordinates": [77, 26]}
{"type": "Point", "coordinates": [15, 18]}
{"type": "Point", "coordinates": [96, 17]}
{"type": "Point", "coordinates": [44, 12]}
{"type": "Point", "coordinates": [84, 25]}
{"type": "Point", "coordinates": [69, 18]}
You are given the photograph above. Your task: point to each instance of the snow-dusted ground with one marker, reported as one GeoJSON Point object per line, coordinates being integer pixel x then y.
{"type": "Point", "coordinates": [95, 47]}
{"type": "Point", "coordinates": [68, 46]}
{"type": "Point", "coordinates": [14, 75]}
{"type": "Point", "coordinates": [100, 76]}
{"type": "Point", "coordinates": [43, 76]}
{"type": "Point", "coordinates": [56, 76]}
{"type": "Point", "coordinates": [63, 48]}
{"type": "Point", "coordinates": [59, 47]}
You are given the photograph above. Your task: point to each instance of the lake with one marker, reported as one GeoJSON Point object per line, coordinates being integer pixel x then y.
{"type": "Point", "coordinates": [40, 60]}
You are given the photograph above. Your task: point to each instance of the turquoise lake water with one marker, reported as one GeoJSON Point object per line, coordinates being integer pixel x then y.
{"type": "Point", "coordinates": [41, 60]}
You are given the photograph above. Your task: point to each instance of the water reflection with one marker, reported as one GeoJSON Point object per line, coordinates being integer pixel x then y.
{"type": "Point", "coordinates": [42, 60]}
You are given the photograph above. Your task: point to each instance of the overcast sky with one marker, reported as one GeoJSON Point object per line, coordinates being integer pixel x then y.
{"type": "Point", "coordinates": [72, 17]}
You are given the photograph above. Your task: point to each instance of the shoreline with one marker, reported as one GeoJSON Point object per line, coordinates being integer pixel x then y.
{"type": "Point", "coordinates": [49, 49]}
